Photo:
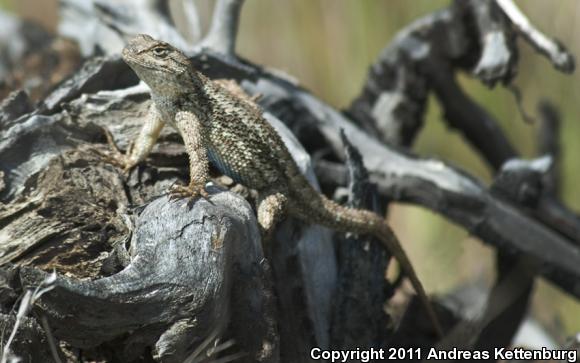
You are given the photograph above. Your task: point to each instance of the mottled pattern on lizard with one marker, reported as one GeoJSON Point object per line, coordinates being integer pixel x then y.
{"type": "Point", "coordinates": [219, 123]}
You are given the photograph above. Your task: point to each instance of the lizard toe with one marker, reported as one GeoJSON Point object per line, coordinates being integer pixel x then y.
{"type": "Point", "coordinates": [188, 191]}
{"type": "Point", "coordinates": [114, 155]}
{"type": "Point", "coordinates": [116, 159]}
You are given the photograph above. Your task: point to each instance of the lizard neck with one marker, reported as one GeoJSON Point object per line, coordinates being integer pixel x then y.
{"type": "Point", "coordinates": [189, 94]}
{"type": "Point", "coordinates": [179, 86]}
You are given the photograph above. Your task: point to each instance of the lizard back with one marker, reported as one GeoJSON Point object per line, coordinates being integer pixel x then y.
{"type": "Point", "coordinates": [242, 143]}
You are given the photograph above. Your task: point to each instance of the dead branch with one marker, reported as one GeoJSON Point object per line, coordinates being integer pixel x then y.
{"type": "Point", "coordinates": [140, 275]}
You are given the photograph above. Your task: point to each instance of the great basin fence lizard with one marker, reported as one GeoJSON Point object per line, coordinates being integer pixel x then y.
{"type": "Point", "coordinates": [222, 125]}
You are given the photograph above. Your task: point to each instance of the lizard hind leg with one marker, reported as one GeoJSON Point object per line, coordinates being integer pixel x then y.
{"type": "Point", "coordinates": [271, 210]}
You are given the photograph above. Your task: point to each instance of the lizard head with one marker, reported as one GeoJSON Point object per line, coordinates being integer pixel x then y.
{"type": "Point", "coordinates": [159, 64]}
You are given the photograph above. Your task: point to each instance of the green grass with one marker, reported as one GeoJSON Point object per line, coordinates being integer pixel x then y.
{"type": "Point", "coordinates": [6, 5]}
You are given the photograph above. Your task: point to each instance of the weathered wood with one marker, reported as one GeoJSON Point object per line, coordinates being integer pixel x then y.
{"type": "Point", "coordinates": [359, 318]}
{"type": "Point", "coordinates": [58, 183]}
{"type": "Point", "coordinates": [30, 343]}
{"type": "Point", "coordinates": [140, 273]}
{"type": "Point", "coordinates": [177, 288]}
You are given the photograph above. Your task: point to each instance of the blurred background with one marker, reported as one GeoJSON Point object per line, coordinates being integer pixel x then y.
{"type": "Point", "coordinates": [328, 46]}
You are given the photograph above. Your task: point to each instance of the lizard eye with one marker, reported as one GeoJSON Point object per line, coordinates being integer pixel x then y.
{"type": "Point", "coordinates": [160, 52]}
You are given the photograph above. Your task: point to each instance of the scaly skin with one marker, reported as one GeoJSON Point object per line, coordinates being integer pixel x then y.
{"type": "Point", "coordinates": [220, 123]}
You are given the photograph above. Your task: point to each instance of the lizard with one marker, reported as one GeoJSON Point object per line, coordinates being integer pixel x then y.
{"type": "Point", "coordinates": [222, 125]}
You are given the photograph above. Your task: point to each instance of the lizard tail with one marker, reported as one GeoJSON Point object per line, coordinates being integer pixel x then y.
{"type": "Point", "coordinates": [385, 234]}
{"type": "Point", "coordinates": [321, 210]}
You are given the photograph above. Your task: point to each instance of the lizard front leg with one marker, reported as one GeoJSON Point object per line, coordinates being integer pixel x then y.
{"type": "Point", "coordinates": [142, 145]}
{"type": "Point", "coordinates": [194, 135]}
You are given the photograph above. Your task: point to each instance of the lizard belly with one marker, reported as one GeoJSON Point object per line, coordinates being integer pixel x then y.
{"type": "Point", "coordinates": [244, 167]}
{"type": "Point", "coordinates": [224, 166]}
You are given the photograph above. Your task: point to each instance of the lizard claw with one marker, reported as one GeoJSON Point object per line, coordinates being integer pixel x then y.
{"type": "Point", "coordinates": [111, 141]}
{"type": "Point", "coordinates": [118, 160]}
{"type": "Point", "coordinates": [191, 191]}
{"type": "Point", "coordinates": [114, 156]}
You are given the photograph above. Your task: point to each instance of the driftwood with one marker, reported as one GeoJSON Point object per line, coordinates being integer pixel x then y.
{"type": "Point", "coordinates": [142, 278]}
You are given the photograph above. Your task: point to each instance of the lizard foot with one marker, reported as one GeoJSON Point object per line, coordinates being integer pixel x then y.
{"type": "Point", "coordinates": [114, 156]}
{"type": "Point", "coordinates": [191, 191]}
